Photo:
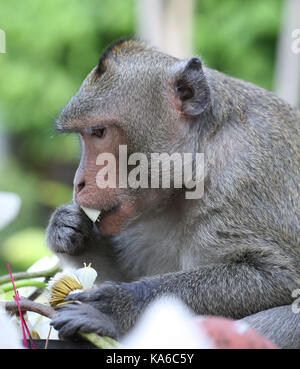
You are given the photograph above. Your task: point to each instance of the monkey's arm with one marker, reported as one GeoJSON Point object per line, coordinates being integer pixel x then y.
{"type": "Point", "coordinates": [281, 325]}
{"type": "Point", "coordinates": [231, 290]}
{"type": "Point", "coordinates": [71, 236]}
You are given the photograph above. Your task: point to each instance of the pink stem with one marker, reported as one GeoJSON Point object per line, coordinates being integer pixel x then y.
{"type": "Point", "coordinates": [23, 323]}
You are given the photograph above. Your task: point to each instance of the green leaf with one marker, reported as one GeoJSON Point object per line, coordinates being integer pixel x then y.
{"type": "Point", "coordinates": [25, 247]}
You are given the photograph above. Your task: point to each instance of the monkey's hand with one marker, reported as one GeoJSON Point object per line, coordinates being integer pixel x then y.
{"type": "Point", "coordinates": [110, 310]}
{"type": "Point", "coordinates": [84, 317]}
{"type": "Point", "coordinates": [69, 231]}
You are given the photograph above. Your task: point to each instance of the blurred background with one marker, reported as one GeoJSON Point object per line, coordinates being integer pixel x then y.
{"type": "Point", "coordinates": [52, 45]}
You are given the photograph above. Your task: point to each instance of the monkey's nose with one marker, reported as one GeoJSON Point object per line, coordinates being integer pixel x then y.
{"type": "Point", "coordinates": [79, 181]}
{"type": "Point", "coordinates": [80, 186]}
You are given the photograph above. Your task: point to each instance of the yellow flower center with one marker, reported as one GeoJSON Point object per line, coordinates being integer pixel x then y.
{"type": "Point", "coordinates": [62, 288]}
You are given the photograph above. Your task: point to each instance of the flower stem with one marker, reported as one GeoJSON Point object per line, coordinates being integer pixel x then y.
{"type": "Point", "coordinates": [101, 342]}
{"type": "Point", "coordinates": [22, 283]}
{"type": "Point", "coordinates": [27, 275]}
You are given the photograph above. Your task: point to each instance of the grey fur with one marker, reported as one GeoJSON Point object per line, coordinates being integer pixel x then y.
{"type": "Point", "coordinates": [285, 334]}
{"type": "Point", "coordinates": [234, 252]}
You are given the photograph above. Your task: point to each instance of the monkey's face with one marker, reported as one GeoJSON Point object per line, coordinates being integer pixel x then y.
{"type": "Point", "coordinates": [103, 180]}
{"type": "Point", "coordinates": [142, 101]}
{"type": "Point", "coordinates": [102, 139]}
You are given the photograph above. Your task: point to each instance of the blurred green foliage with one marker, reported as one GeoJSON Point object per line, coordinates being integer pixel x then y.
{"type": "Point", "coordinates": [24, 248]}
{"type": "Point", "coordinates": [51, 46]}
{"type": "Point", "coordinates": [239, 37]}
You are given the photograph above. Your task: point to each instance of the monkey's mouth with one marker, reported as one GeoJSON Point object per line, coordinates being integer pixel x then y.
{"type": "Point", "coordinates": [97, 215]}
{"type": "Point", "coordinates": [104, 212]}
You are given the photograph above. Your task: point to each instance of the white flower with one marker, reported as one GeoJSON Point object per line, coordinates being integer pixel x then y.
{"type": "Point", "coordinates": [9, 337]}
{"type": "Point", "coordinates": [166, 324]}
{"type": "Point", "coordinates": [43, 264]}
{"type": "Point", "coordinates": [9, 207]}
{"type": "Point", "coordinates": [86, 276]}
{"type": "Point", "coordinates": [38, 325]}
{"type": "Point", "coordinates": [70, 281]}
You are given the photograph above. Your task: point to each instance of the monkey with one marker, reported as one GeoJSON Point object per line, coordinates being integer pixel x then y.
{"type": "Point", "coordinates": [285, 335]}
{"type": "Point", "coordinates": [233, 252]}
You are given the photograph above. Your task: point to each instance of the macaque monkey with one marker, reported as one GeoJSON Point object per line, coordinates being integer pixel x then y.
{"type": "Point", "coordinates": [233, 252]}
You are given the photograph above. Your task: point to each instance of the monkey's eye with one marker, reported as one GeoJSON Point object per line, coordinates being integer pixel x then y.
{"type": "Point", "coordinates": [99, 132]}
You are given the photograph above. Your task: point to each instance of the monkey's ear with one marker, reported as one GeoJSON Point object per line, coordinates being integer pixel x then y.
{"type": "Point", "coordinates": [191, 88]}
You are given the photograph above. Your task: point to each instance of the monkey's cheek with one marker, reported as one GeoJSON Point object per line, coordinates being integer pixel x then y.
{"type": "Point", "coordinates": [113, 224]}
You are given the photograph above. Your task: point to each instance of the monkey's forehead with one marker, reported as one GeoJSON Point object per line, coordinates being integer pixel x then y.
{"type": "Point", "coordinates": [125, 65]}
{"type": "Point", "coordinates": [130, 53]}
{"type": "Point", "coordinates": [122, 47]}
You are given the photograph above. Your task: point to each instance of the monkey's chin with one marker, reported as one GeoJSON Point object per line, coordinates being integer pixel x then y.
{"type": "Point", "coordinates": [111, 225]}
{"type": "Point", "coordinates": [107, 221]}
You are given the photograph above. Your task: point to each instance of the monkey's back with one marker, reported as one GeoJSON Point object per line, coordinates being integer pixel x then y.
{"type": "Point", "coordinates": [260, 172]}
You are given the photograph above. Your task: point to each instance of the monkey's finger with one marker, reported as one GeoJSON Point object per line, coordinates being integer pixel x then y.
{"type": "Point", "coordinates": [66, 325]}
{"type": "Point", "coordinates": [68, 320]}
{"type": "Point", "coordinates": [80, 296]}
{"type": "Point", "coordinates": [71, 318]}
{"type": "Point", "coordinates": [90, 295]}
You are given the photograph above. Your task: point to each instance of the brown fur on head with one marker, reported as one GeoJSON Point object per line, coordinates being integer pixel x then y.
{"type": "Point", "coordinates": [144, 99]}
{"type": "Point", "coordinates": [122, 47]}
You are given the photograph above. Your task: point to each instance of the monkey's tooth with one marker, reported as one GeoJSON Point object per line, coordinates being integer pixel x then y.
{"type": "Point", "coordinates": [93, 214]}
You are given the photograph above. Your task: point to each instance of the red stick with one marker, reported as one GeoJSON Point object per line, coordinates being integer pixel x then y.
{"type": "Point", "coordinates": [23, 323]}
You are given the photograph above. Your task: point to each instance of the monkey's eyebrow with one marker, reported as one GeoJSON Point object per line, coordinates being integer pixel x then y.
{"type": "Point", "coordinates": [74, 129]}
{"type": "Point", "coordinates": [77, 129]}
{"type": "Point", "coordinates": [60, 127]}
{"type": "Point", "coordinates": [67, 127]}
